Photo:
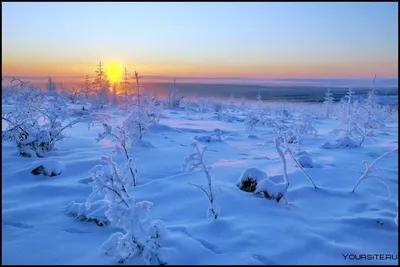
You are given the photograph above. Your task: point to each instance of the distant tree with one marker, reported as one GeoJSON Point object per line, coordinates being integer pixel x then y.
{"type": "Point", "coordinates": [126, 82]}
{"type": "Point", "coordinates": [101, 86]}
{"type": "Point", "coordinates": [173, 97]}
{"type": "Point", "coordinates": [328, 101]}
{"type": "Point", "coordinates": [259, 101]}
{"type": "Point", "coordinates": [50, 86]}
{"type": "Point", "coordinates": [232, 101]}
{"type": "Point", "coordinates": [86, 90]}
{"type": "Point", "coordinates": [73, 95]}
{"type": "Point", "coordinates": [137, 77]}
{"type": "Point", "coordinates": [114, 98]}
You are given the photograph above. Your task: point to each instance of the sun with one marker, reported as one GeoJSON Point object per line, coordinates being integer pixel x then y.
{"type": "Point", "coordinates": [114, 72]}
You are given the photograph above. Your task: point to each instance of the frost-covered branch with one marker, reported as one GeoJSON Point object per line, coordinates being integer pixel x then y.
{"type": "Point", "coordinates": [369, 169]}
{"type": "Point", "coordinates": [194, 161]}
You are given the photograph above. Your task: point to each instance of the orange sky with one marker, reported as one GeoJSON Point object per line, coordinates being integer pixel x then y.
{"type": "Point", "coordinates": [284, 70]}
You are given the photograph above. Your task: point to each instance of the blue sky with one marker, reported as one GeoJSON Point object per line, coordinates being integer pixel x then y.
{"type": "Point", "coordinates": [263, 40]}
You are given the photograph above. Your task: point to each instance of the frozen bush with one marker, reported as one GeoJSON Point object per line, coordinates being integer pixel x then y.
{"type": "Point", "coordinates": [37, 122]}
{"type": "Point", "coordinates": [249, 179]}
{"type": "Point", "coordinates": [140, 236]}
{"type": "Point", "coordinates": [328, 102]}
{"type": "Point", "coordinates": [122, 144]}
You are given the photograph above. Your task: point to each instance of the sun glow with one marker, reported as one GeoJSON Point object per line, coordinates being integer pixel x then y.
{"type": "Point", "coordinates": [114, 72]}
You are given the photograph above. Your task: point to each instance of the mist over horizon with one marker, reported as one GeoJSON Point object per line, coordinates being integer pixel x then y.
{"type": "Point", "coordinates": [293, 82]}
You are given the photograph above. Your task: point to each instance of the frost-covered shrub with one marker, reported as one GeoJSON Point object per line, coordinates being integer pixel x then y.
{"type": "Point", "coordinates": [217, 106]}
{"type": "Point", "coordinates": [256, 118]}
{"type": "Point", "coordinates": [370, 171]}
{"type": "Point", "coordinates": [191, 108]}
{"type": "Point", "coordinates": [194, 161]}
{"type": "Point", "coordinates": [304, 125]}
{"type": "Point", "coordinates": [328, 102]}
{"type": "Point", "coordinates": [371, 114]}
{"type": "Point", "coordinates": [138, 122]}
{"type": "Point", "coordinates": [224, 114]}
{"type": "Point", "coordinates": [249, 179]}
{"type": "Point", "coordinates": [350, 130]}
{"type": "Point", "coordinates": [37, 122]}
{"type": "Point", "coordinates": [140, 236]}
{"type": "Point", "coordinates": [122, 144]}
{"type": "Point", "coordinates": [174, 99]}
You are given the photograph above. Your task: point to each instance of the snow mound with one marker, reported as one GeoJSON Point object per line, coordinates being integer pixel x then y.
{"type": "Point", "coordinates": [214, 137]}
{"type": "Point", "coordinates": [270, 189]}
{"type": "Point", "coordinates": [156, 128]}
{"type": "Point", "coordinates": [343, 142]}
{"type": "Point", "coordinates": [249, 179]}
{"type": "Point", "coordinates": [47, 167]}
{"type": "Point", "coordinates": [305, 161]}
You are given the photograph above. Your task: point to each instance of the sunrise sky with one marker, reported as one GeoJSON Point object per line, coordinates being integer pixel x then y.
{"type": "Point", "coordinates": [252, 40]}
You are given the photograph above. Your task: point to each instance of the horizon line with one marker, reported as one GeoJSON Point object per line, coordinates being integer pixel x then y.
{"type": "Point", "coordinates": [210, 78]}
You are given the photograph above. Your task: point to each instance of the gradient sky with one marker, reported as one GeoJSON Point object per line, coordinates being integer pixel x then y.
{"type": "Point", "coordinates": [254, 40]}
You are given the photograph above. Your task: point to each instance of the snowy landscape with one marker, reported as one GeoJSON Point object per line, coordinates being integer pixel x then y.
{"type": "Point", "coordinates": [200, 133]}
{"type": "Point", "coordinates": [106, 177]}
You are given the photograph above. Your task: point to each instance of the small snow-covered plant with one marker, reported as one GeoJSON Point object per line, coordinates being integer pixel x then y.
{"type": "Point", "coordinates": [50, 85]}
{"type": "Point", "coordinates": [369, 170]}
{"type": "Point", "coordinates": [254, 119]}
{"type": "Point", "coordinates": [304, 124]}
{"type": "Point", "coordinates": [224, 114]}
{"type": "Point", "coordinates": [372, 116]}
{"type": "Point", "coordinates": [122, 145]}
{"type": "Point", "coordinates": [174, 99]}
{"type": "Point", "coordinates": [242, 102]}
{"type": "Point", "coordinates": [328, 102]}
{"type": "Point", "coordinates": [153, 107]}
{"type": "Point", "coordinates": [146, 112]}
{"type": "Point", "coordinates": [73, 94]}
{"type": "Point", "coordinates": [217, 106]}
{"type": "Point", "coordinates": [140, 236]}
{"type": "Point", "coordinates": [350, 131]}
{"type": "Point", "coordinates": [259, 101]}
{"type": "Point", "coordinates": [232, 102]}
{"type": "Point", "coordinates": [282, 142]}
{"type": "Point", "coordinates": [201, 102]}
{"type": "Point", "coordinates": [191, 108]}
{"type": "Point", "coordinates": [194, 161]}
{"type": "Point", "coordinates": [86, 90]}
